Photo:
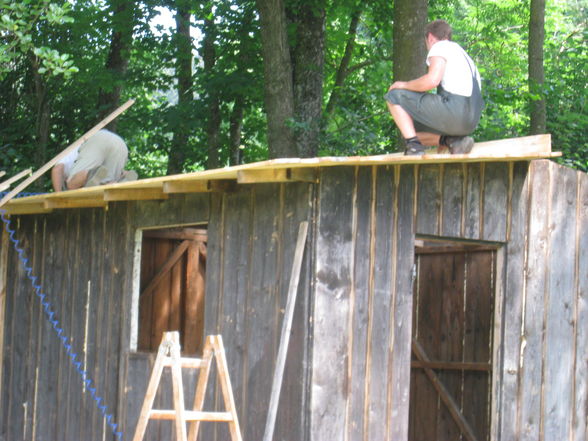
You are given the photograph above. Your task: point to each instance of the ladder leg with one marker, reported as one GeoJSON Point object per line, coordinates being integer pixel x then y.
{"type": "Point", "coordinates": [225, 383]}
{"type": "Point", "coordinates": [201, 387]}
{"type": "Point", "coordinates": [178, 388]}
{"type": "Point", "coordinates": [151, 389]}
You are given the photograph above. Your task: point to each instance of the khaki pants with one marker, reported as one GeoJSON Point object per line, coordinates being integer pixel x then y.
{"type": "Point", "coordinates": [103, 149]}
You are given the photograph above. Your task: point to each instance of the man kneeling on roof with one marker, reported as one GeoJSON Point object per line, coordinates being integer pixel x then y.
{"type": "Point", "coordinates": [446, 118]}
{"type": "Point", "coordinates": [98, 161]}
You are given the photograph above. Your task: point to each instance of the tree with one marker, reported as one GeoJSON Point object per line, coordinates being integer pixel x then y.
{"type": "Point", "coordinates": [181, 127]}
{"type": "Point", "coordinates": [117, 61]}
{"type": "Point", "coordinates": [410, 19]}
{"type": "Point", "coordinates": [536, 69]}
{"type": "Point", "coordinates": [278, 82]}
{"type": "Point", "coordinates": [308, 55]}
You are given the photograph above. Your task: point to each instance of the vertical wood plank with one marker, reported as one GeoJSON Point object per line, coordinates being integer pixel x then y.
{"type": "Point", "coordinates": [429, 200]}
{"type": "Point", "coordinates": [505, 424]}
{"type": "Point", "coordinates": [473, 199]}
{"type": "Point", "coordinates": [4, 247]}
{"type": "Point", "coordinates": [261, 325]}
{"type": "Point", "coordinates": [453, 191]}
{"type": "Point", "coordinates": [401, 328]}
{"type": "Point", "coordinates": [161, 296]}
{"type": "Point", "coordinates": [236, 264]}
{"type": "Point", "coordinates": [495, 201]}
{"type": "Point", "coordinates": [292, 419]}
{"type": "Point", "coordinates": [93, 316]}
{"type": "Point", "coordinates": [380, 323]}
{"type": "Point", "coordinates": [559, 330]}
{"type": "Point", "coordinates": [479, 311]}
{"type": "Point", "coordinates": [334, 262]}
{"type": "Point", "coordinates": [529, 395]}
{"type": "Point", "coordinates": [580, 404]}
{"type": "Point", "coordinates": [193, 321]}
{"type": "Point", "coordinates": [451, 336]}
{"type": "Point", "coordinates": [360, 301]}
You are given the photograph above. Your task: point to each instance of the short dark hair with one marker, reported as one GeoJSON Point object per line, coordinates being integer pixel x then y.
{"type": "Point", "coordinates": [440, 29]}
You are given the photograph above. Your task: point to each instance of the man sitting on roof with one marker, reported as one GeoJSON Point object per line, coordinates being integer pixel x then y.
{"type": "Point", "coordinates": [100, 160]}
{"type": "Point", "coordinates": [446, 118]}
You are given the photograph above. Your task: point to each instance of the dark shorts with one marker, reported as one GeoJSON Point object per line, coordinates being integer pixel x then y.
{"type": "Point", "coordinates": [442, 113]}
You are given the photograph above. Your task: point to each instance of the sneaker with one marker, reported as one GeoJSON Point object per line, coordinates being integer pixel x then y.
{"type": "Point", "coordinates": [414, 148]}
{"type": "Point", "coordinates": [96, 176]}
{"type": "Point", "coordinates": [128, 175]}
{"type": "Point", "coordinates": [459, 144]}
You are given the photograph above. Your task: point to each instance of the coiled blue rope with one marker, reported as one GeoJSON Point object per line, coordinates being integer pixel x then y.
{"type": "Point", "coordinates": [50, 314]}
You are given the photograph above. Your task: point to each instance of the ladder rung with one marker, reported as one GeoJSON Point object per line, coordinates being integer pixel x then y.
{"type": "Point", "coordinates": [191, 415]}
{"type": "Point", "coordinates": [195, 363]}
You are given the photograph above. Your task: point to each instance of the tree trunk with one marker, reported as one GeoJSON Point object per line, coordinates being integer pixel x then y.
{"type": "Point", "coordinates": [278, 83]}
{"type": "Point", "coordinates": [409, 49]}
{"type": "Point", "coordinates": [536, 69]}
{"type": "Point", "coordinates": [214, 116]}
{"type": "Point", "coordinates": [118, 57]}
{"type": "Point", "coordinates": [235, 127]}
{"type": "Point", "coordinates": [42, 117]}
{"type": "Point", "coordinates": [181, 133]}
{"type": "Point", "coordinates": [308, 74]}
{"type": "Point", "coordinates": [342, 70]}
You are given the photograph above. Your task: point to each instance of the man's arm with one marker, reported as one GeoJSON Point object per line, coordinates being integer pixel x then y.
{"type": "Point", "coordinates": [428, 81]}
{"type": "Point", "coordinates": [57, 177]}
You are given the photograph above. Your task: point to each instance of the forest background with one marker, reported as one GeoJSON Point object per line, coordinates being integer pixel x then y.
{"type": "Point", "coordinates": [232, 81]}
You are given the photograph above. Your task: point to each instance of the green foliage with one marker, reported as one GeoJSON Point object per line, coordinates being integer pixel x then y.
{"type": "Point", "coordinates": [20, 23]}
{"type": "Point", "coordinates": [53, 56]}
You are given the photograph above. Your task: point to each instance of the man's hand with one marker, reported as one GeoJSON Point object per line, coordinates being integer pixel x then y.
{"type": "Point", "coordinates": [428, 81]}
{"type": "Point", "coordinates": [398, 85]}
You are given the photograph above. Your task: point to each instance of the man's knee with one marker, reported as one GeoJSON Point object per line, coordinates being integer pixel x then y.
{"type": "Point", "coordinates": [394, 96]}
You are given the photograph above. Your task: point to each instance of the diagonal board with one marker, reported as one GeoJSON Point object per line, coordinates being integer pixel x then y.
{"type": "Point", "coordinates": [64, 153]}
{"type": "Point", "coordinates": [446, 397]}
{"type": "Point", "coordinates": [166, 267]}
{"type": "Point", "coordinates": [6, 184]}
{"type": "Point", "coordinates": [285, 337]}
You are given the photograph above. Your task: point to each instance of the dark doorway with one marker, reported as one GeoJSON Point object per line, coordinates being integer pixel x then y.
{"type": "Point", "coordinates": [173, 275]}
{"type": "Point", "coordinates": [451, 374]}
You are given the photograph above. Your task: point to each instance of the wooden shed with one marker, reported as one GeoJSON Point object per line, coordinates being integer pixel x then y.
{"type": "Point", "coordinates": [441, 298]}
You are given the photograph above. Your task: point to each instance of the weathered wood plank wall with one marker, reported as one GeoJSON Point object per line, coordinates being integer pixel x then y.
{"type": "Point", "coordinates": [251, 239]}
{"type": "Point", "coordinates": [539, 214]}
{"type": "Point", "coordinates": [362, 304]}
{"type": "Point", "coordinates": [349, 359]}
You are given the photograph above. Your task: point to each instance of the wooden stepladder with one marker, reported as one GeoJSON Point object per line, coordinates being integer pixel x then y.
{"type": "Point", "coordinates": [169, 355]}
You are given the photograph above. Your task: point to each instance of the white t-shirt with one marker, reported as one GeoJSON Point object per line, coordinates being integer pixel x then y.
{"type": "Point", "coordinates": [68, 162]}
{"type": "Point", "coordinates": [459, 66]}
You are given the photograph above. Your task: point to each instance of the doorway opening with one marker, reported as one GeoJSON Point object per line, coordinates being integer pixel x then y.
{"type": "Point", "coordinates": [172, 284]}
{"type": "Point", "coordinates": [454, 304]}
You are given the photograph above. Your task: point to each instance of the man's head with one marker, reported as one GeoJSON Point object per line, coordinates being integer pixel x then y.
{"type": "Point", "coordinates": [439, 29]}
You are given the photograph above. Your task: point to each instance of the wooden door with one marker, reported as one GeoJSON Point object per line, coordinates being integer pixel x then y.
{"type": "Point", "coordinates": [173, 268]}
{"type": "Point", "coordinates": [450, 397]}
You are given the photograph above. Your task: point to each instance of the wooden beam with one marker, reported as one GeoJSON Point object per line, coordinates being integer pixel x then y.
{"type": "Point", "coordinates": [180, 233]}
{"type": "Point", "coordinates": [51, 203]}
{"type": "Point", "coordinates": [6, 184]}
{"type": "Point", "coordinates": [34, 208]}
{"type": "Point", "coordinates": [444, 394]}
{"type": "Point", "coordinates": [452, 366]}
{"type": "Point", "coordinates": [65, 152]}
{"type": "Point", "coordinates": [525, 145]}
{"type": "Point", "coordinates": [202, 186]}
{"type": "Point", "coordinates": [168, 264]}
{"type": "Point", "coordinates": [223, 185]}
{"type": "Point", "coordinates": [277, 175]}
{"type": "Point", "coordinates": [134, 194]}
